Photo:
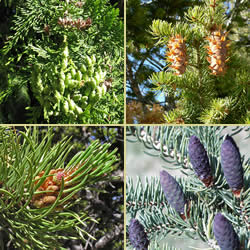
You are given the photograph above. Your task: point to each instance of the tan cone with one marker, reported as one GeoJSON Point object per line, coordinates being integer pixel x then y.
{"type": "Point", "coordinates": [217, 51]}
{"type": "Point", "coordinates": [177, 54]}
{"type": "Point", "coordinates": [51, 186]}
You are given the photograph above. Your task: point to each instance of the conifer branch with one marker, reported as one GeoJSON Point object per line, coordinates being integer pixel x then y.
{"type": "Point", "coordinates": [159, 210]}
{"type": "Point", "coordinates": [38, 190]}
{"type": "Point", "coordinates": [202, 92]}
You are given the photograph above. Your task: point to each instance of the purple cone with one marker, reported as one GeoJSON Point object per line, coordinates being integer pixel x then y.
{"type": "Point", "coordinates": [199, 159]}
{"type": "Point", "coordinates": [172, 191]}
{"type": "Point", "coordinates": [231, 164]}
{"type": "Point", "coordinates": [137, 236]}
{"type": "Point", "coordinates": [224, 233]}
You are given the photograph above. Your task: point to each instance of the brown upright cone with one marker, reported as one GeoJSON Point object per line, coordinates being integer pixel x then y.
{"type": "Point", "coordinates": [217, 50]}
{"type": "Point", "coordinates": [177, 54]}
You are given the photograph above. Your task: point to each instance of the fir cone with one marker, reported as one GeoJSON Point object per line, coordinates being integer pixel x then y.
{"type": "Point", "coordinates": [224, 233]}
{"type": "Point", "coordinates": [199, 159]}
{"type": "Point", "coordinates": [137, 236]}
{"type": "Point", "coordinates": [177, 54]}
{"type": "Point", "coordinates": [217, 50]}
{"type": "Point", "coordinates": [231, 165]}
{"type": "Point", "coordinates": [172, 191]}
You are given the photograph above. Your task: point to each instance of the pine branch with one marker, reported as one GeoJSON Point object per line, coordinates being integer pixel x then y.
{"type": "Point", "coordinates": [61, 74]}
{"type": "Point", "coordinates": [134, 84]}
{"type": "Point", "coordinates": [41, 190]}
{"type": "Point", "coordinates": [145, 102]}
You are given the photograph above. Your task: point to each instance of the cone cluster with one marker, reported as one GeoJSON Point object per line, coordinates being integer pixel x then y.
{"type": "Point", "coordinates": [65, 89]}
{"type": "Point", "coordinates": [217, 50]}
{"type": "Point", "coordinates": [231, 165]}
{"type": "Point", "coordinates": [177, 54]}
{"type": "Point", "coordinates": [199, 160]}
{"type": "Point", "coordinates": [79, 23]}
{"type": "Point", "coordinates": [224, 233]}
{"type": "Point", "coordinates": [137, 236]}
{"type": "Point", "coordinates": [172, 191]}
{"type": "Point", "coordinates": [230, 162]}
{"type": "Point", "coordinates": [51, 186]}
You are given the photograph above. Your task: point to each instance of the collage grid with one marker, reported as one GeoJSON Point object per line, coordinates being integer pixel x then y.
{"type": "Point", "coordinates": [124, 124]}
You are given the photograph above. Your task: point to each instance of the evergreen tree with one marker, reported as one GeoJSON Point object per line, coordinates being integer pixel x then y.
{"type": "Point", "coordinates": [63, 63]}
{"type": "Point", "coordinates": [209, 202]}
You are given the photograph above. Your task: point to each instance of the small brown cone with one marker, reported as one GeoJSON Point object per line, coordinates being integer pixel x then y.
{"type": "Point", "coordinates": [217, 52]}
{"type": "Point", "coordinates": [51, 186]}
{"type": "Point", "coordinates": [177, 54]}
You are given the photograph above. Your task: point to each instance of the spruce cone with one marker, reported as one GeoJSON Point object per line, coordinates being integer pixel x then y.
{"type": "Point", "coordinates": [199, 159]}
{"type": "Point", "coordinates": [172, 191]}
{"type": "Point", "coordinates": [137, 236]}
{"type": "Point", "coordinates": [217, 50]}
{"type": "Point", "coordinates": [224, 233]}
{"type": "Point", "coordinates": [231, 165]}
{"type": "Point", "coordinates": [177, 54]}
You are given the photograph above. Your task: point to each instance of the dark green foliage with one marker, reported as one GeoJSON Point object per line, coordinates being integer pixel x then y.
{"type": "Point", "coordinates": [224, 233]}
{"type": "Point", "coordinates": [16, 106]}
{"type": "Point", "coordinates": [37, 41]}
{"type": "Point", "coordinates": [137, 236]}
{"type": "Point", "coordinates": [231, 164]}
{"type": "Point", "coordinates": [172, 191]}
